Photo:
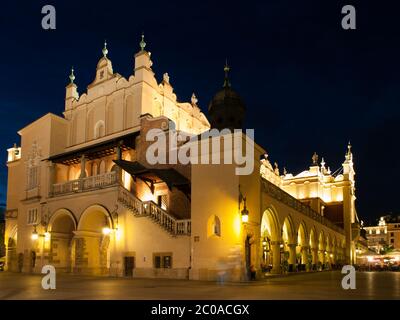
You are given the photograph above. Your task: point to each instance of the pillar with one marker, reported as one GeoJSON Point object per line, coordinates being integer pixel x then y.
{"type": "Point", "coordinates": [51, 177]}
{"type": "Point", "coordinates": [83, 167]}
{"type": "Point", "coordinates": [276, 257]}
{"type": "Point", "coordinates": [292, 257]}
{"type": "Point", "coordinates": [314, 253]}
{"type": "Point", "coordinates": [304, 256]}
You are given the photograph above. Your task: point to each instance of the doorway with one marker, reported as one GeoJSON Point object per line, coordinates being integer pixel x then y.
{"type": "Point", "coordinates": [248, 257]}
{"type": "Point", "coordinates": [129, 265]}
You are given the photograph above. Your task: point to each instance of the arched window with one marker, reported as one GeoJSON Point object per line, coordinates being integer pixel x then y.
{"type": "Point", "coordinates": [213, 226]}
{"type": "Point", "coordinates": [102, 167]}
{"type": "Point", "coordinates": [94, 169]}
{"type": "Point", "coordinates": [99, 129]}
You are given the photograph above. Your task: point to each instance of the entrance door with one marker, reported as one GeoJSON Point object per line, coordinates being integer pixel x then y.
{"type": "Point", "coordinates": [248, 256]}
{"type": "Point", "coordinates": [129, 264]}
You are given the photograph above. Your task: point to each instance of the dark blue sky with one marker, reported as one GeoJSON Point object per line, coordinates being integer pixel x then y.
{"type": "Point", "coordinates": [308, 84]}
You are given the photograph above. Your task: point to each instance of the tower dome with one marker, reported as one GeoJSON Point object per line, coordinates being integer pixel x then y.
{"type": "Point", "coordinates": [226, 109]}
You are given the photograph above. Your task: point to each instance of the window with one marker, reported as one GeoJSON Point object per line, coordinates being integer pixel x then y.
{"type": "Point", "coordinates": [33, 216]}
{"type": "Point", "coordinates": [392, 234]}
{"type": "Point", "coordinates": [33, 179]}
{"type": "Point", "coordinates": [162, 260]}
{"type": "Point", "coordinates": [162, 201]}
{"type": "Point", "coordinates": [391, 240]}
{"type": "Point", "coordinates": [213, 226]}
{"type": "Point", "coordinates": [99, 129]}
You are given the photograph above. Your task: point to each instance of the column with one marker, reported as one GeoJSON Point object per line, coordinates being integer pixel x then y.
{"type": "Point", "coordinates": [276, 257]}
{"type": "Point", "coordinates": [304, 257]}
{"type": "Point", "coordinates": [314, 252]}
{"type": "Point", "coordinates": [292, 257]}
{"type": "Point", "coordinates": [83, 167]}
{"type": "Point", "coordinates": [51, 177]}
{"type": "Point", "coordinates": [118, 152]}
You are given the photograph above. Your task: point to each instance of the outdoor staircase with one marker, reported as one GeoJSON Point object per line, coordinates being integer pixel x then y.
{"type": "Point", "coordinates": [172, 225]}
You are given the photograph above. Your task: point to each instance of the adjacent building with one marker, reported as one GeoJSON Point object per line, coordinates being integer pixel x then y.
{"type": "Point", "coordinates": [386, 235]}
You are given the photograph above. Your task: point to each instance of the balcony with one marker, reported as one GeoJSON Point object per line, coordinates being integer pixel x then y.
{"type": "Point", "coordinates": [86, 184]}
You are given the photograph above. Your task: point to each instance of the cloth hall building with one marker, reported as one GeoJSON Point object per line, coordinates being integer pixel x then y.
{"type": "Point", "coordinates": [83, 197]}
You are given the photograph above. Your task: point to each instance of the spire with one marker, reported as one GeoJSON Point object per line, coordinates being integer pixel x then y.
{"type": "Point", "coordinates": [105, 50]}
{"type": "Point", "coordinates": [226, 70]}
{"type": "Point", "coordinates": [72, 76]}
{"type": "Point", "coordinates": [323, 163]}
{"type": "Point", "coordinates": [349, 154]}
{"type": "Point", "coordinates": [142, 44]}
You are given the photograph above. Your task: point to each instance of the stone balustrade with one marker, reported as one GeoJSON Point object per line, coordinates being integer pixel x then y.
{"type": "Point", "coordinates": [85, 184]}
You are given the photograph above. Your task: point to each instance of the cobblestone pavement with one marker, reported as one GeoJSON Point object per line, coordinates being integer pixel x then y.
{"type": "Point", "coordinates": [323, 285]}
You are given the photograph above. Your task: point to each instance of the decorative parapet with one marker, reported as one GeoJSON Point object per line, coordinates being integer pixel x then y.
{"type": "Point", "coordinates": [278, 194]}
{"type": "Point", "coordinates": [11, 214]}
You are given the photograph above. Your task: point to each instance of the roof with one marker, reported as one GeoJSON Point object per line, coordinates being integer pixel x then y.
{"type": "Point", "coordinates": [169, 175]}
{"type": "Point", "coordinates": [96, 150]}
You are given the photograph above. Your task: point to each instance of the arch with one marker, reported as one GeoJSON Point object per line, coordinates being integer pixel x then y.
{"type": "Point", "coordinates": [56, 223]}
{"type": "Point", "coordinates": [99, 129]}
{"type": "Point", "coordinates": [321, 240]}
{"type": "Point", "coordinates": [288, 230]}
{"type": "Point", "coordinates": [213, 226]}
{"type": "Point", "coordinates": [302, 235]}
{"type": "Point", "coordinates": [92, 243]}
{"type": "Point", "coordinates": [313, 238]}
{"type": "Point", "coordinates": [303, 247]}
{"type": "Point", "coordinates": [94, 169]}
{"type": "Point", "coordinates": [270, 225]}
{"type": "Point", "coordinates": [102, 167]}
{"type": "Point", "coordinates": [61, 227]}
{"type": "Point", "coordinates": [94, 218]}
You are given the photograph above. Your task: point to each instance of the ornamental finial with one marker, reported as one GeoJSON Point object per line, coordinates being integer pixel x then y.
{"type": "Point", "coordinates": [226, 70]}
{"type": "Point", "coordinates": [72, 76]}
{"type": "Point", "coordinates": [194, 100]}
{"type": "Point", "coordinates": [315, 159]}
{"type": "Point", "coordinates": [105, 50]}
{"type": "Point", "coordinates": [142, 44]}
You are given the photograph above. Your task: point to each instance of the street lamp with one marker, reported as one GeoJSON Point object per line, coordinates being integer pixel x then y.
{"type": "Point", "coordinates": [34, 235]}
{"type": "Point", "coordinates": [245, 212]}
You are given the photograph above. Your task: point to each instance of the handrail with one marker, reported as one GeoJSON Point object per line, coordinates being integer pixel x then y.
{"type": "Point", "coordinates": [151, 209]}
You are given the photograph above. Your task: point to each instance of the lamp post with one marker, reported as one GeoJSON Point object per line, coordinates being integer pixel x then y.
{"type": "Point", "coordinates": [245, 212]}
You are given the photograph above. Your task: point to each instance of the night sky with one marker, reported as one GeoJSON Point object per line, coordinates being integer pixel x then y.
{"type": "Point", "coordinates": [308, 84]}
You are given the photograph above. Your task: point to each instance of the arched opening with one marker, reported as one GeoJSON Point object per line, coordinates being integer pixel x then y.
{"type": "Point", "coordinates": [94, 169]}
{"type": "Point", "coordinates": [303, 257]}
{"type": "Point", "coordinates": [328, 252]}
{"type": "Point", "coordinates": [99, 129]}
{"type": "Point", "coordinates": [12, 258]}
{"type": "Point", "coordinates": [61, 228]}
{"type": "Point", "coordinates": [270, 243]}
{"type": "Point", "coordinates": [102, 167]}
{"type": "Point", "coordinates": [213, 227]}
{"type": "Point", "coordinates": [321, 251]}
{"type": "Point", "coordinates": [288, 254]}
{"type": "Point", "coordinates": [314, 248]}
{"type": "Point", "coordinates": [92, 241]}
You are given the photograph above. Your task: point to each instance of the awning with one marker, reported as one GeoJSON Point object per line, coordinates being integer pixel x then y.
{"type": "Point", "coordinates": [96, 151]}
{"type": "Point", "coordinates": [152, 176]}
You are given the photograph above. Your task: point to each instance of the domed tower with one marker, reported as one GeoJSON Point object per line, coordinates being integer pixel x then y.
{"type": "Point", "coordinates": [226, 109]}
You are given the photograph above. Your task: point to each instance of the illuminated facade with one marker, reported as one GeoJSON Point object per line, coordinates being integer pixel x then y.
{"type": "Point", "coordinates": [385, 235]}
{"type": "Point", "coordinates": [82, 196]}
